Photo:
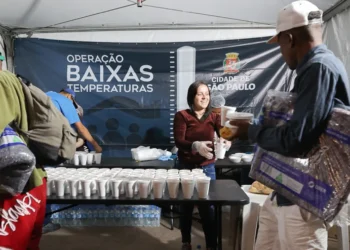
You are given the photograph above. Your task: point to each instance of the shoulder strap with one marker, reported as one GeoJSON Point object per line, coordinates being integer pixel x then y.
{"type": "Point", "coordinates": [23, 80]}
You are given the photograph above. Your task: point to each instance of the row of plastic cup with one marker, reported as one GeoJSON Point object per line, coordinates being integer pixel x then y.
{"type": "Point", "coordinates": [83, 158]}
{"type": "Point", "coordinates": [128, 182]}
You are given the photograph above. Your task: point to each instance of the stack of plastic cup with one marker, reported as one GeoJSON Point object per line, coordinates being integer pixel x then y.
{"type": "Point", "coordinates": [203, 184]}
{"type": "Point", "coordinates": [158, 187]}
{"type": "Point", "coordinates": [187, 184]}
{"type": "Point", "coordinates": [173, 184]}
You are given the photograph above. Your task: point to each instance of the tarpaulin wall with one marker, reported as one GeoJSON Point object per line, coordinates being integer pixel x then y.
{"type": "Point", "coordinates": [131, 91]}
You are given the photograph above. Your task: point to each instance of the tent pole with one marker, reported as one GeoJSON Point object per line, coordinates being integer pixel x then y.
{"type": "Point", "coordinates": [140, 28]}
{"type": "Point", "coordinates": [336, 9]}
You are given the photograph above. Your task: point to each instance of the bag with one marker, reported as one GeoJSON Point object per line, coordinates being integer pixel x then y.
{"type": "Point", "coordinates": [16, 162]}
{"type": "Point", "coordinates": [50, 136]}
{"type": "Point", "coordinates": [317, 181]}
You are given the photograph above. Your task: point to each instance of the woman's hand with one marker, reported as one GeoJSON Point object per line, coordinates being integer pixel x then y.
{"type": "Point", "coordinates": [202, 148]}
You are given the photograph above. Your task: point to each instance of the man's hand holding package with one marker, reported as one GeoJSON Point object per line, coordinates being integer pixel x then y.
{"type": "Point", "coordinates": [202, 148]}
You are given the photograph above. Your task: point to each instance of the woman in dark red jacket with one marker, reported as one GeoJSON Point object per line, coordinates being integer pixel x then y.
{"type": "Point", "coordinates": [194, 130]}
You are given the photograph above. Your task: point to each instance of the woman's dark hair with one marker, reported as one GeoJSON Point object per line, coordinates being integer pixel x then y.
{"type": "Point", "coordinates": [192, 92]}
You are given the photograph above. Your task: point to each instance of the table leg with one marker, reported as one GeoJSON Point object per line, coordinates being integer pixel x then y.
{"type": "Point", "coordinates": [218, 217]}
{"type": "Point", "coordinates": [343, 237]}
{"type": "Point", "coordinates": [235, 218]}
{"type": "Point", "coordinates": [171, 218]}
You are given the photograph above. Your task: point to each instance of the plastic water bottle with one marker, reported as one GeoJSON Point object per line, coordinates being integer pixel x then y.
{"type": "Point", "coordinates": [68, 217]}
{"type": "Point", "coordinates": [157, 216]}
{"type": "Point", "coordinates": [151, 215]}
{"type": "Point", "coordinates": [140, 217]}
{"type": "Point", "coordinates": [146, 219]}
{"type": "Point", "coordinates": [84, 217]}
{"type": "Point", "coordinates": [116, 213]}
{"type": "Point", "coordinates": [123, 216]}
{"type": "Point", "coordinates": [128, 216]}
{"type": "Point", "coordinates": [74, 217]}
{"type": "Point", "coordinates": [79, 216]}
{"type": "Point", "coordinates": [134, 216]}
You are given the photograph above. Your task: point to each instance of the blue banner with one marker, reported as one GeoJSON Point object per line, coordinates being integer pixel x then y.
{"type": "Point", "coordinates": [130, 92]}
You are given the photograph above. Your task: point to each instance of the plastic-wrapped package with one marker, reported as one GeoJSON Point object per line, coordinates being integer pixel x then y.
{"type": "Point", "coordinates": [17, 162]}
{"type": "Point", "coordinates": [320, 183]}
{"type": "Point", "coordinates": [142, 153]}
{"type": "Point", "coordinates": [277, 108]}
{"type": "Point", "coordinates": [217, 101]}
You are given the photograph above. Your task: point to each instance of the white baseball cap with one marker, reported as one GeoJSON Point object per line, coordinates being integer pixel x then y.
{"type": "Point", "coordinates": [295, 15]}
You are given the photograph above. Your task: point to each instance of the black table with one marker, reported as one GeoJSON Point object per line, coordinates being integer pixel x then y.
{"type": "Point", "coordinates": [221, 192]}
{"type": "Point", "coordinates": [238, 171]}
{"type": "Point", "coordinates": [127, 163]}
{"type": "Point", "coordinates": [227, 163]}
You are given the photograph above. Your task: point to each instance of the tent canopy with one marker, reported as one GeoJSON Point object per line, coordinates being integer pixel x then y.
{"type": "Point", "coordinates": [52, 15]}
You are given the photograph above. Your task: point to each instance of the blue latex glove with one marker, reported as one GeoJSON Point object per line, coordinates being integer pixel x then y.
{"type": "Point", "coordinates": [165, 158]}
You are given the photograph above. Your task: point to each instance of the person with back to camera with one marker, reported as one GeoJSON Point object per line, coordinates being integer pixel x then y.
{"type": "Point", "coordinates": [194, 130]}
{"type": "Point", "coordinates": [321, 84]}
{"type": "Point", "coordinates": [81, 142]}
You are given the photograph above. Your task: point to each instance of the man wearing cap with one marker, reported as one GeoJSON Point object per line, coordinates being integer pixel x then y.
{"type": "Point", "coordinates": [321, 84]}
{"type": "Point", "coordinates": [65, 102]}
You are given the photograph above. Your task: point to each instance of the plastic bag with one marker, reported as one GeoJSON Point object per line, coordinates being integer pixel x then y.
{"type": "Point", "coordinates": [320, 183]}
{"type": "Point", "coordinates": [17, 162]}
{"type": "Point", "coordinates": [148, 154]}
{"type": "Point", "coordinates": [134, 150]}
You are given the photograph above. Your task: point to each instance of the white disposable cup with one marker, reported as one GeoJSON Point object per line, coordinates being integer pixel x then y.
{"type": "Point", "coordinates": [187, 188]}
{"type": "Point", "coordinates": [59, 184]}
{"type": "Point", "coordinates": [185, 171]}
{"type": "Point", "coordinates": [197, 170]}
{"type": "Point", "coordinates": [150, 170]}
{"type": "Point", "coordinates": [130, 187]}
{"type": "Point", "coordinates": [122, 186]}
{"type": "Point", "coordinates": [48, 186]}
{"type": "Point", "coordinates": [173, 187]}
{"type": "Point", "coordinates": [66, 185]}
{"type": "Point", "coordinates": [98, 157]}
{"type": "Point", "coordinates": [115, 187]}
{"type": "Point", "coordinates": [74, 185]}
{"type": "Point", "coordinates": [220, 150]}
{"type": "Point", "coordinates": [173, 176]}
{"type": "Point", "coordinates": [182, 175]}
{"type": "Point", "coordinates": [102, 187]}
{"type": "Point", "coordinates": [83, 159]}
{"type": "Point", "coordinates": [76, 159]}
{"type": "Point", "coordinates": [203, 185]}
{"type": "Point", "coordinates": [158, 187]}
{"type": "Point", "coordinates": [187, 176]}
{"type": "Point", "coordinates": [90, 159]}
{"type": "Point", "coordinates": [108, 185]}
{"type": "Point", "coordinates": [143, 187]}
{"type": "Point", "coordinates": [80, 185]}
{"type": "Point", "coordinates": [86, 183]}
{"type": "Point", "coordinates": [173, 171]}
{"type": "Point", "coordinates": [93, 184]}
